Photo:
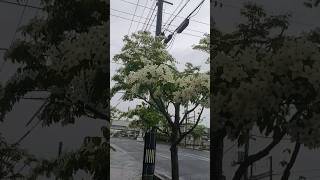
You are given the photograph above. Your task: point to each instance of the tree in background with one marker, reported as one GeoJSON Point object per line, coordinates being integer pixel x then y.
{"type": "Point", "coordinates": [13, 160]}
{"type": "Point", "coordinates": [63, 56]}
{"type": "Point", "coordinates": [148, 117]}
{"type": "Point", "coordinates": [197, 133]}
{"type": "Point", "coordinates": [311, 3]}
{"type": "Point", "coordinates": [265, 80]}
{"type": "Point", "coordinates": [149, 74]}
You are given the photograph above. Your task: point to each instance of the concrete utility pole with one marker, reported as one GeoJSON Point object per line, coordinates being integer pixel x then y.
{"type": "Point", "coordinates": [149, 154]}
{"type": "Point", "coordinates": [270, 166]}
{"type": "Point", "coordinates": [246, 154]}
{"type": "Point", "coordinates": [159, 16]}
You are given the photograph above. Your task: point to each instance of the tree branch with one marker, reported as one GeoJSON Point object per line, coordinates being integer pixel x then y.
{"type": "Point", "coordinates": [162, 108]}
{"type": "Point", "coordinates": [264, 152]}
{"type": "Point", "coordinates": [188, 112]}
{"type": "Point", "coordinates": [183, 135]}
{"type": "Point", "coordinates": [286, 173]}
{"type": "Point", "coordinates": [96, 112]}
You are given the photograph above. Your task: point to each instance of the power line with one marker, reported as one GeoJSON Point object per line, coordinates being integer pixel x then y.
{"type": "Point", "coordinates": [151, 17]}
{"type": "Point", "coordinates": [154, 17]}
{"type": "Point", "coordinates": [184, 24]}
{"type": "Point", "coordinates": [16, 30]}
{"type": "Point", "coordinates": [154, 3]}
{"type": "Point", "coordinates": [144, 9]}
{"type": "Point", "coordinates": [153, 25]}
{"type": "Point", "coordinates": [19, 4]}
{"type": "Point", "coordinates": [173, 13]}
{"type": "Point", "coordinates": [134, 14]}
{"type": "Point", "coordinates": [198, 7]}
{"type": "Point", "coordinates": [167, 13]}
{"type": "Point", "coordinates": [173, 25]}
{"type": "Point", "coordinates": [177, 14]}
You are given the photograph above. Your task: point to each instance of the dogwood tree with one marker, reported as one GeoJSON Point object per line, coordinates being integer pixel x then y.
{"type": "Point", "coordinates": [148, 74]}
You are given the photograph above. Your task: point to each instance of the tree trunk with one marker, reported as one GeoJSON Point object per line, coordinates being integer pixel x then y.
{"type": "Point", "coordinates": [217, 154]}
{"type": "Point", "coordinates": [174, 155]}
{"type": "Point", "coordinates": [256, 157]}
{"type": "Point", "coordinates": [286, 173]}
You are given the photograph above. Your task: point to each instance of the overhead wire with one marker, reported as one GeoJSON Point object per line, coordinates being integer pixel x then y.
{"type": "Point", "coordinates": [150, 17]}
{"type": "Point", "coordinates": [173, 25]}
{"type": "Point", "coordinates": [135, 10]}
{"type": "Point", "coordinates": [208, 24]}
{"type": "Point", "coordinates": [19, 4]}
{"type": "Point", "coordinates": [144, 9]}
{"type": "Point", "coordinates": [201, 4]}
{"type": "Point", "coordinates": [164, 25]}
{"type": "Point", "coordinates": [16, 29]}
{"type": "Point", "coordinates": [153, 25]}
{"type": "Point", "coordinates": [150, 10]}
{"type": "Point", "coordinates": [176, 15]}
{"type": "Point", "coordinates": [188, 17]}
{"type": "Point", "coordinates": [154, 17]}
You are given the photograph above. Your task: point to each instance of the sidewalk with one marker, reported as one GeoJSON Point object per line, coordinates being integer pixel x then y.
{"type": "Point", "coordinates": [123, 166]}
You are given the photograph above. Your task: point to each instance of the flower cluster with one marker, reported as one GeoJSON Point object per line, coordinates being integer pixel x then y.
{"type": "Point", "coordinates": [167, 82]}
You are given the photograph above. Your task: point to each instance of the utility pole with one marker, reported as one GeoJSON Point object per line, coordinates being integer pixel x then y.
{"type": "Point", "coordinates": [246, 154]}
{"type": "Point", "coordinates": [185, 128]}
{"type": "Point", "coordinates": [149, 154]}
{"type": "Point", "coordinates": [159, 15]}
{"type": "Point", "coordinates": [270, 166]}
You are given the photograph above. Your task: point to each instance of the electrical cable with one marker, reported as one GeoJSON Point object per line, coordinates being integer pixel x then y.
{"type": "Point", "coordinates": [150, 8]}
{"type": "Point", "coordinates": [197, 11]}
{"type": "Point", "coordinates": [208, 24]}
{"type": "Point", "coordinates": [173, 25]}
{"type": "Point", "coordinates": [173, 13]}
{"type": "Point", "coordinates": [144, 9]}
{"type": "Point", "coordinates": [154, 17]}
{"type": "Point", "coordinates": [177, 15]}
{"type": "Point", "coordinates": [199, 5]}
{"type": "Point", "coordinates": [16, 29]}
{"type": "Point", "coordinates": [150, 17]}
{"type": "Point", "coordinates": [18, 4]}
{"type": "Point", "coordinates": [135, 10]}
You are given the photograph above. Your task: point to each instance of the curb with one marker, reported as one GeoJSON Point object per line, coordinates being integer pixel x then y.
{"type": "Point", "coordinates": [159, 176]}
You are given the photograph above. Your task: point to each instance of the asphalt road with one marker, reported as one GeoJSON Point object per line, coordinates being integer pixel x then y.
{"type": "Point", "coordinates": [193, 164]}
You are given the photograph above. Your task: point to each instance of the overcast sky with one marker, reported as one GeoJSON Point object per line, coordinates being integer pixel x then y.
{"type": "Point", "coordinates": [181, 48]}
{"type": "Point", "coordinates": [44, 141]}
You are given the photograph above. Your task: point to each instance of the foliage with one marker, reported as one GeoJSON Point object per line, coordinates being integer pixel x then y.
{"type": "Point", "coordinates": [115, 114]}
{"type": "Point", "coordinates": [148, 117]}
{"type": "Point", "coordinates": [264, 79]}
{"type": "Point", "coordinates": [11, 159]}
{"type": "Point", "coordinates": [92, 157]}
{"type": "Point", "coordinates": [198, 131]}
{"type": "Point", "coordinates": [63, 54]}
{"type": "Point", "coordinates": [311, 3]}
